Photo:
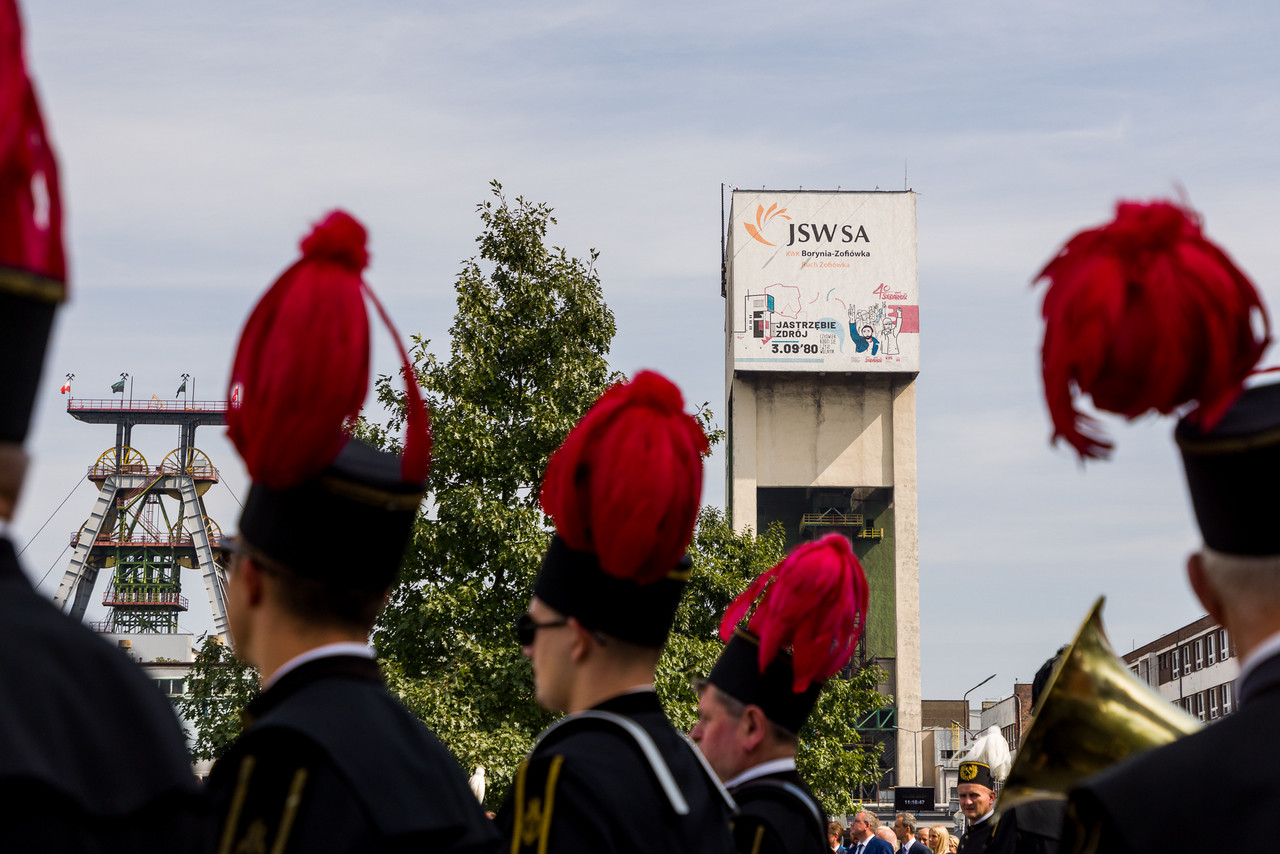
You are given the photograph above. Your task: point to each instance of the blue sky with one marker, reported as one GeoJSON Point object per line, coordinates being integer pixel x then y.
{"type": "Point", "coordinates": [199, 140]}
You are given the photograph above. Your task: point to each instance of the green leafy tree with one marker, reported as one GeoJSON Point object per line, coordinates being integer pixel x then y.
{"type": "Point", "coordinates": [219, 686]}
{"type": "Point", "coordinates": [528, 356]}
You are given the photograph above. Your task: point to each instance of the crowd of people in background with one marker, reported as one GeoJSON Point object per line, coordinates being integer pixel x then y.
{"type": "Point", "coordinates": [905, 836]}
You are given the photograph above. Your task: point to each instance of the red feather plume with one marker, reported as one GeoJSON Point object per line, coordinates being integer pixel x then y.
{"type": "Point", "coordinates": [30, 199]}
{"type": "Point", "coordinates": [627, 482]}
{"type": "Point", "coordinates": [302, 365]}
{"type": "Point", "coordinates": [814, 603]}
{"type": "Point", "coordinates": [1141, 314]}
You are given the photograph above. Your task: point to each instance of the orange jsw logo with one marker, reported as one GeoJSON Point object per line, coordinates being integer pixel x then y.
{"type": "Point", "coordinates": [763, 216]}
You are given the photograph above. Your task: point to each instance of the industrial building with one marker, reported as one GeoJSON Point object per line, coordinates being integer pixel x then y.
{"type": "Point", "coordinates": [822, 350]}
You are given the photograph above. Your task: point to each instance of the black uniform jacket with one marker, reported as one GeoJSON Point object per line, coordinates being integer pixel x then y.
{"type": "Point", "coordinates": [91, 754]}
{"type": "Point", "coordinates": [587, 787]}
{"type": "Point", "coordinates": [778, 813]}
{"type": "Point", "coordinates": [1226, 769]}
{"type": "Point", "coordinates": [1033, 827]}
{"type": "Point", "coordinates": [329, 761]}
{"type": "Point", "coordinates": [975, 840]}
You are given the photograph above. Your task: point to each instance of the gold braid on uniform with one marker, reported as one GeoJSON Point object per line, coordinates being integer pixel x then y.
{"type": "Point", "coordinates": [254, 838]}
{"type": "Point", "coordinates": [291, 805]}
{"type": "Point", "coordinates": [237, 804]}
{"type": "Point", "coordinates": [534, 804]}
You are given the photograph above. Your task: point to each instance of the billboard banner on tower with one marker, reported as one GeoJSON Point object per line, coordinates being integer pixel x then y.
{"type": "Point", "coordinates": [823, 281]}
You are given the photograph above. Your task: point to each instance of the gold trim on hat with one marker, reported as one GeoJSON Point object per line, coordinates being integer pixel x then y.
{"type": "Point", "coordinates": [1215, 445]}
{"type": "Point", "coordinates": [679, 574]}
{"type": "Point", "coordinates": [31, 285]}
{"type": "Point", "coordinates": [371, 495]}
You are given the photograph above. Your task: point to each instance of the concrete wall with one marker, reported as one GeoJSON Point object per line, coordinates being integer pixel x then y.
{"type": "Point", "coordinates": [844, 431]}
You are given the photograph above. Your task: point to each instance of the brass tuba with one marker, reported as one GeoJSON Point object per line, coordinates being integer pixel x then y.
{"type": "Point", "coordinates": [1093, 713]}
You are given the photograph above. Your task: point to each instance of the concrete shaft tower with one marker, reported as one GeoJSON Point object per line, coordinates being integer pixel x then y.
{"type": "Point", "coordinates": [822, 349]}
{"type": "Point", "coordinates": [147, 522]}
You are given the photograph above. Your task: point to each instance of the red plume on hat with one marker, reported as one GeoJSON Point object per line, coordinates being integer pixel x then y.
{"type": "Point", "coordinates": [302, 365]}
{"type": "Point", "coordinates": [626, 483]}
{"type": "Point", "coordinates": [1141, 314]}
{"type": "Point", "coordinates": [814, 603]}
{"type": "Point", "coordinates": [30, 200]}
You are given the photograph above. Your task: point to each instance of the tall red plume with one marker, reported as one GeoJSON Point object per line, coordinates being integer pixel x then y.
{"type": "Point", "coordinates": [30, 199]}
{"type": "Point", "coordinates": [302, 364]}
{"type": "Point", "coordinates": [1144, 314]}
{"type": "Point", "coordinates": [627, 482]}
{"type": "Point", "coordinates": [814, 603]}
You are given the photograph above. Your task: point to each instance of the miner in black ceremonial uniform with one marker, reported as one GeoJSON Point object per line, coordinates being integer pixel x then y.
{"type": "Point", "coordinates": [328, 760]}
{"type": "Point", "coordinates": [91, 755]}
{"type": "Point", "coordinates": [811, 611]}
{"type": "Point", "coordinates": [1232, 471]}
{"type": "Point", "coordinates": [982, 766]}
{"type": "Point", "coordinates": [614, 775]}
{"type": "Point", "coordinates": [1145, 313]}
{"type": "Point", "coordinates": [1032, 826]}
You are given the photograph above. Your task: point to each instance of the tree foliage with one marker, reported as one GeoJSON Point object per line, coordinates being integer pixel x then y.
{"type": "Point", "coordinates": [528, 356]}
{"type": "Point", "coordinates": [219, 686]}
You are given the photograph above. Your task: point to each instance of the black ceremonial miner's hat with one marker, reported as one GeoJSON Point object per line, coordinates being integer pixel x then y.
{"type": "Point", "coordinates": [347, 526]}
{"type": "Point", "coordinates": [325, 505]}
{"type": "Point", "coordinates": [1232, 472]}
{"type": "Point", "coordinates": [32, 265]}
{"type": "Point", "coordinates": [806, 615]}
{"type": "Point", "coordinates": [623, 492]}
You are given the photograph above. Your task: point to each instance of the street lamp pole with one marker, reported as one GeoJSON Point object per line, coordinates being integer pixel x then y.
{"type": "Point", "coordinates": [965, 700]}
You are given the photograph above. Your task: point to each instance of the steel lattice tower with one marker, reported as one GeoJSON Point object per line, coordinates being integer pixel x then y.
{"type": "Point", "coordinates": [148, 522]}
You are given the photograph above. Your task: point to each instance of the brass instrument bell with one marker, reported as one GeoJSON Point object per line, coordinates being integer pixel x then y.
{"type": "Point", "coordinates": [1093, 713]}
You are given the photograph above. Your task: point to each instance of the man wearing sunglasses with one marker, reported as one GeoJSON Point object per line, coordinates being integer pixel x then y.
{"type": "Point", "coordinates": [614, 775]}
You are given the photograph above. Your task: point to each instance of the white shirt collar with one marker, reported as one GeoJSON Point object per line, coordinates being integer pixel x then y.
{"type": "Point", "coordinates": [773, 766]}
{"type": "Point", "coordinates": [363, 650]}
{"type": "Point", "coordinates": [990, 813]}
{"type": "Point", "coordinates": [1269, 647]}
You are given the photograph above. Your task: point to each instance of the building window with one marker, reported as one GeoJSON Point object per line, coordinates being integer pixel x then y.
{"type": "Point", "coordinates": [1177, 665]}
{"type": "Point", "coordinates": [1213, 704]}
{"type": "Point", "coordinates": [1200, 705]}
{"type": "Point", "coordinates": [1211, 640]}
{"type": "Point", "coordinates": [1186, 659]}
{"type": "Point", "coordinates": [1226, 698]}
{"type": "Point", "coordinates": [948, 754]}
{"type": "Point", "coordinates": [1222, 645]}
{"type": "Point", "coordinates": [170, 687]}
{"type": "Point", "coordinates": [1199, 653]}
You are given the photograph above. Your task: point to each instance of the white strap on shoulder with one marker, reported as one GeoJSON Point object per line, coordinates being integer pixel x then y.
{"type": "Point", "coordinates": [711, 774]}
{"type": "Point", "coordinates": [647, 748]}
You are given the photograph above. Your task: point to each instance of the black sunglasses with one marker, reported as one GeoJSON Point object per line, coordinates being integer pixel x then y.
{"type": "Point", "coordinates": [526, 628]}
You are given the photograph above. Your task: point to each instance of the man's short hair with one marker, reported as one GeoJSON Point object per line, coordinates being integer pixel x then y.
{"type": "Point", "coordinates": [872, 822]}
{"type": "Point", "coordinates": [735, 708]}
{"type": "Point", "coordinates": [1251, 583]}
{"type": "Point", "coordinates": [835, 828]}
{"type": "Point", "coordinates": [319, 602]}
{"type": "Point", "coordinates": [908, 821]}
{"type": "Point", "coordinates": [627, 652]}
